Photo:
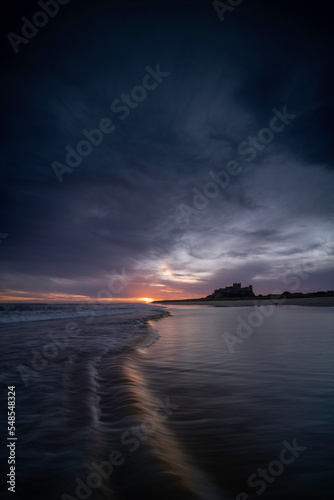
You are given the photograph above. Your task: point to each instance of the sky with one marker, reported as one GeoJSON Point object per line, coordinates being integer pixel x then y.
{"type": "Point", "coordinates": [212, 162]}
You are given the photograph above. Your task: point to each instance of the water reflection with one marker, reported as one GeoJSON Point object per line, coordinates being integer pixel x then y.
{"type": "Point", "coordinates": [237, 408]}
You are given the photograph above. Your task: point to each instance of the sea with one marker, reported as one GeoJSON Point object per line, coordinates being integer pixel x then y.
{"type": "Point", "coordinates": [142, 401]}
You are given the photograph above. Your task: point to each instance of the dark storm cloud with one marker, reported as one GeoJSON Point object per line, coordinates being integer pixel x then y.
{"type": "Point", "coordinates": [119, 208]}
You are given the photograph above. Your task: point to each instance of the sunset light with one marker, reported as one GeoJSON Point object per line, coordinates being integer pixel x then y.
{"type": "Point", "coordinates": [167, 250]}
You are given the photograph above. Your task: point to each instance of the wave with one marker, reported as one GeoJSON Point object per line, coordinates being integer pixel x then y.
{"type": "Point", "coordinates": [111, 399]}
{"type": "Point", "coordinates": [18, 313]}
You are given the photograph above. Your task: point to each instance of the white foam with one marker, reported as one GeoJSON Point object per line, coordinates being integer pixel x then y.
{"type": "Point", "coordinates": [18, 313]}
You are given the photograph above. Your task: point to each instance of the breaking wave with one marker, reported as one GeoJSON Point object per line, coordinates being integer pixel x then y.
{"type": "Point", "coordinates": [17, 313]}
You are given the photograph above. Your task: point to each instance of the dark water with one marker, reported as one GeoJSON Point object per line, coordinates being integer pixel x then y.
{"type": "Point", "coordinates": [186, 417]}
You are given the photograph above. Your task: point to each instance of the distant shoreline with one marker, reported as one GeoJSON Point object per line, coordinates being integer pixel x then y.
{"type": "Point", "coordinates": [254, 301]}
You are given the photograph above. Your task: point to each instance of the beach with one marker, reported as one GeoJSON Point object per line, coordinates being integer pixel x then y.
{"type": "Point", "coordinates": [152, 152]}
{"type": "Point", "coordinates": [184, 402]}
{"type": "Point", "coordinates": [305, 301]}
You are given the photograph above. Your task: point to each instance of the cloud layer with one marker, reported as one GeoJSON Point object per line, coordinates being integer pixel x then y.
{"type": "Point", "coordinates": [120, 208]}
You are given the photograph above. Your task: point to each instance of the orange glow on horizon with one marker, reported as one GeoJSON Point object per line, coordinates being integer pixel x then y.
{"type": "Point", "coordinates": [146, 299]}
{"type": "Point", "coordinates": [25, 296]}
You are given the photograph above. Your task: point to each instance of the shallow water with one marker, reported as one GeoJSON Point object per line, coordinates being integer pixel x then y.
{"type": "Point", "coordinates": [193, 415]}
{"type": "Point", "coordinates": [236, 408]}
